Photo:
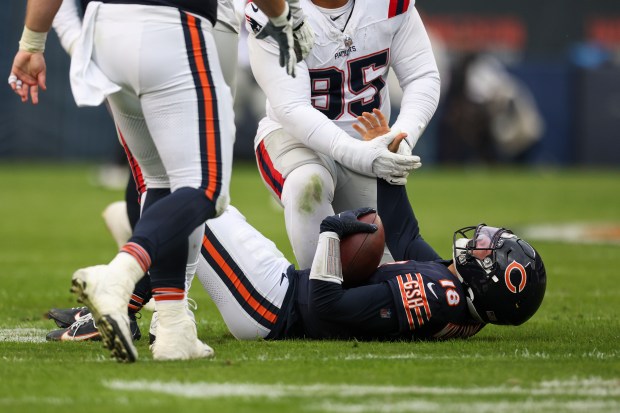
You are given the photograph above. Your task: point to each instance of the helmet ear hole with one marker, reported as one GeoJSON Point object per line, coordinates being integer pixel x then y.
{"type": "Point", "coordinates": [527, 249]}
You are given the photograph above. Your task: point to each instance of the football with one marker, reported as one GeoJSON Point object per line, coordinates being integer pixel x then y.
{"type": "Point", "coordinates": [361, 253]}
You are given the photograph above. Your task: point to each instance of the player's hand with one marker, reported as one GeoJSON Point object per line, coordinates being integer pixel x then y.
{"type": "Point", "coordinates": [303, 36]}
{"type": "Point", "coordinates": [347, 223]}
{"type": "Point", "coordinates": [392, 167]}
{"type": "Point", "coordinates": [281, 29]}
{"type": "Point", "coordinates": [372, 125]}
{"type": "Point", "coordinates": [28, 75]}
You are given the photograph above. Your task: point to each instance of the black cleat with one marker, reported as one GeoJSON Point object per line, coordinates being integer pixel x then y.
{"type": "Point", "coordinates": [83, 329]}
{"type": "Point", "coordinates": [64, 317]}
{"type": "Point", "coordinates": [134, 327]}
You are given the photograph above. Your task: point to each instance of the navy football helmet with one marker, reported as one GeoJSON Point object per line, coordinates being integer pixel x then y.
{"type": "Point", "coordinates": [504, 276]}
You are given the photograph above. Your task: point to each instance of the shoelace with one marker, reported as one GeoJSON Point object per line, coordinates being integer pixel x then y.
{"type": "Point", "coordinates": [85, 319]}
{"type": "Point", "coordinates": [192, 304]}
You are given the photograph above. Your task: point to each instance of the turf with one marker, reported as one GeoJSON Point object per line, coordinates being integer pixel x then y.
{"type": "Point", "coordinates": [566, 358]}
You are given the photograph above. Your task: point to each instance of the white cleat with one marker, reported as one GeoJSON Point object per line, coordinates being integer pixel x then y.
{"type": "Point", "coordinates": [176, 335]}
{"type": "Point", "coordinates": [179, 342]}
{"type": "Point", "coordinates": [190, 305]}
{"type": "Point", "coordinates": [107, 295]}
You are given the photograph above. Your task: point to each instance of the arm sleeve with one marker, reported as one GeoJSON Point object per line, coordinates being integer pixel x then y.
{"type": "Point", "coordinates": [402, 232]}
{"type": "Point", "coordinates": [67, 24]}
{"type": "Point", "coordinates": [290, 100]}
{"type": "Point", "coordinates": [416, 70]}
{"type": "Point", "coordinates": [355, 312]}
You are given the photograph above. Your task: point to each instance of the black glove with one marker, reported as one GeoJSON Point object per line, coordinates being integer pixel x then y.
{"type": "Point", "coordinates": [346, 223]}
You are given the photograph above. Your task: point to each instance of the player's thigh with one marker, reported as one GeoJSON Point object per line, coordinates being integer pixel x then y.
{"type": "Point", "coordinates": [279, 154]}
{"type": "Point", "coordinates": [354, 191]}
{"type": "Point", "coordinates": [134, 134]}
{"type": "Point", "coordinates": [244, 274]}
{"type": "Point", "coordinates": [227, 42]}
{"type": "Point", "coordinates": [190, 116]}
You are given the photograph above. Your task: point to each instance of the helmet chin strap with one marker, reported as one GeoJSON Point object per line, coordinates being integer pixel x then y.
{"type": "Point", "coordinates": [461, 244]}
{"type": "Point", "coordinates": [472, 309]}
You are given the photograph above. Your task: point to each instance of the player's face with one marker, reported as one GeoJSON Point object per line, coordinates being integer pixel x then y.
{"type": "Point", "coordinates": [478, 242]}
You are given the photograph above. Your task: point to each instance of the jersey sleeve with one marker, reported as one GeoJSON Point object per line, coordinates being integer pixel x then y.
{"type": "Point", "coordinates": [67, 24]}
{"type": "Point", "coordinates": [290, 101]}
{"type": "Point", "coordinates": [402, 231]}
{"type": "Point", "coordinates": [414, 64]}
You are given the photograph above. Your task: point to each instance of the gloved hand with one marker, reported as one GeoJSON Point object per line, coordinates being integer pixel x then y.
{"type": "Point", "coordinates": [346, 223]}
{"type": "Point", "coordinates": [281, 29]}
{"type": "Point", "coordinates": [303, 36]}
{"type": "Point", "coordinates": [404, 148]}
{"type": "Point", "coordinates": [392, 167]}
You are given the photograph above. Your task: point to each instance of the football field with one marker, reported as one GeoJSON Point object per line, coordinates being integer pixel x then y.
{"type": "Point", "coordinates": [565, 359]}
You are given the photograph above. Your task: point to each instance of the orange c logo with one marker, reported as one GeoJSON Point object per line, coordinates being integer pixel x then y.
{"type": "Point", "coordinates": [515, 266]}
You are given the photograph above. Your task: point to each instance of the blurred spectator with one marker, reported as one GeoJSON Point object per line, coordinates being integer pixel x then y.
{"type": "Point", "coordinates": [488, 115]}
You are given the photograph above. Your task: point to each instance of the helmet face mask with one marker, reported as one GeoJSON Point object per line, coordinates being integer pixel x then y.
{"type": "Point", "coordinates": [504, 276]}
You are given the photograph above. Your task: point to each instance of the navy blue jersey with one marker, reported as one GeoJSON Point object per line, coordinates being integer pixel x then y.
{"type": "Point", "coordinates": [405, 301]}
{"type": "Point", "coordinates": [429, 299]}
{"type": "Point", "coordinates": [204, 8]}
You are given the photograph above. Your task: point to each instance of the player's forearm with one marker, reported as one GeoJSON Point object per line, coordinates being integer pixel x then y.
{"type": "Point", "coordinates": [402, 231]}
{"type": "Point", "coordinates": [40, 14]}
{"type": "Point", "coordinates": [419, 103]}
{"type": "Point", "coordinates": [416, 70]}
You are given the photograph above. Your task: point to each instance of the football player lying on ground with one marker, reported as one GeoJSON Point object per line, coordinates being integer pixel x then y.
{"type": "Point", "coordinates": [494, 277]}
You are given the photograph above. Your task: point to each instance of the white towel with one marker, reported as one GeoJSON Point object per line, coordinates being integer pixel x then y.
{"type": "Point", "coordinates": [90, 86]}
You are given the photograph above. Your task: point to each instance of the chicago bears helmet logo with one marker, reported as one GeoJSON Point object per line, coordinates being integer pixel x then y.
{"type": "Point", "coordinates": [521, 269]}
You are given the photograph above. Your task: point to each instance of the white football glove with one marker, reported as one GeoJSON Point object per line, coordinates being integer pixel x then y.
{"type": "Point", "coordinates": [404, 148]}
{"type": "Point", "coordinates": [392, 167]}
{"type": "Point", "coordinates": [304, 40]}
{"type": "Point", "coordinates": [281, 29]}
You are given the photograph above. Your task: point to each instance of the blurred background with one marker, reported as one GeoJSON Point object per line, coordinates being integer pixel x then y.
{"type": "Point", "coordinates": [524, 82]}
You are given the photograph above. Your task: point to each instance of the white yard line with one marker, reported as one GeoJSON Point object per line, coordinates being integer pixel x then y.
{"type": "Point", "coordinates": [22, 335]}
{"type": "Point", "coordinates": [517, 354]}
{"type": "Point", "coordinates": [588, 387]}
{"type": "Point", "coordinates": [421, 406]}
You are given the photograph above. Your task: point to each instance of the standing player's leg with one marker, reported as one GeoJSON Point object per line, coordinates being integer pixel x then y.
{"type": "Point", "coordinates": [198, 164]}
{"type": "Point", "coordinates": [181, 103]}
{"type": "Point", "coordinates": [227, 42]}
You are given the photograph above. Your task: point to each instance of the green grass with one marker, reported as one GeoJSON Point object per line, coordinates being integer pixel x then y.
{"type": "Point", "coordinates": [566, 358]}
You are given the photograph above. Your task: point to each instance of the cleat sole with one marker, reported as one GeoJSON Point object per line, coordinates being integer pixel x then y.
{"type": "Point", "coordinates": [113, 340]}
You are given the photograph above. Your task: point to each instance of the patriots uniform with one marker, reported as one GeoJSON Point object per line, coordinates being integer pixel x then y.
{"type": "Point", "coordinates": [346, 73]}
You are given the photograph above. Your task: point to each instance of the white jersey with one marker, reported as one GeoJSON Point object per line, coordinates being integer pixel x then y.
{"type": "Point", "coordinates": [346, 74]}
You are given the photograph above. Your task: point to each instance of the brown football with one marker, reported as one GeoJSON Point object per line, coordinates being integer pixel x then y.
{"type": "Point", "coordinates": [361, 253]}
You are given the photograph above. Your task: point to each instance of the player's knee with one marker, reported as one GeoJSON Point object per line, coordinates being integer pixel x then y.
{"type": "Point", "coordinates": [307, 188]}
